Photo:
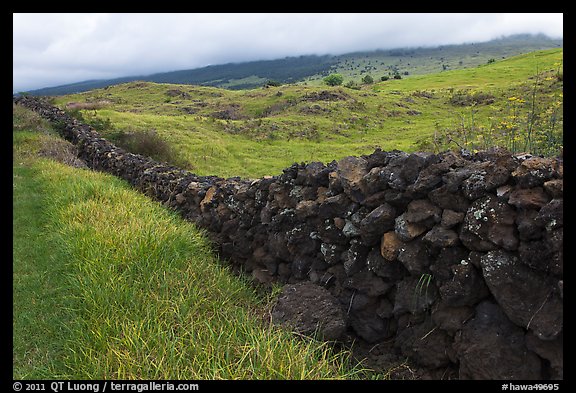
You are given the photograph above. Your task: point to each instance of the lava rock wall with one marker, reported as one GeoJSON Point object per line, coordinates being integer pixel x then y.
{"type": "Point", "coordinates": [457, 258]}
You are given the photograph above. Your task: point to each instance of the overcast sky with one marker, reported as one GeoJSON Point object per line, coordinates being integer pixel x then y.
{"type": "Point", "coordinates": [55, 49]}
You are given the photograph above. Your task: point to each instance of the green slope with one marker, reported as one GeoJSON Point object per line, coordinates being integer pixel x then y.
{"type": "Point", "coordinates": [515, 103]}
{"type": "Point", "coordinates": [108, 284]}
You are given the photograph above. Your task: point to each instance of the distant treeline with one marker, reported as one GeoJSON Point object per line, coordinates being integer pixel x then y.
{"type": "Point", "coordinates": [287, 70]}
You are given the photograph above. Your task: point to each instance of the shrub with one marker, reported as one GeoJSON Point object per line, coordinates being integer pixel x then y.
{"type": "Point", "coordinates": [334, 80]}
{"type": "Point", "coordinates": [352, 85]}
{"type": "Point", "coordinates": [368, 80]}
{"type": "Point", "coordinates": [465, 98]}
{"type": "Point", "coordinates": [148, 143]}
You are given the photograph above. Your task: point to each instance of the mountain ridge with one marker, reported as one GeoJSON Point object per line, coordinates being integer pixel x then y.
{"type": "Point", "coordinates": [312, 68]}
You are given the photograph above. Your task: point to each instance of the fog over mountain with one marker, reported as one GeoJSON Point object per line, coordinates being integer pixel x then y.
{"type": "Point", "coordinates": [55, 49]}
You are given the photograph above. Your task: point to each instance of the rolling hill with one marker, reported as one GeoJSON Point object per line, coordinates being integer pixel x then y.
{"type": "Point", "coordinates": [515, 103]}
{"type": "Point", "coordinates": [311, 69]}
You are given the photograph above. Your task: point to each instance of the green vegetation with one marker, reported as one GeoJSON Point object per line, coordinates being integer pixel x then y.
{"type": "Point", "coordinates": [334, 80]}
{"type": "Point", "coordinates": [108, 284]}
{"type": "Point", "coordinates": [407, 62]}
{"type": "Point", "coordinates": [422, 286]}
{"type": "Point", "coordinates": [514, 103]}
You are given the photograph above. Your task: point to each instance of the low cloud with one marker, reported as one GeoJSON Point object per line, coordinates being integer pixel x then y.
{"type": "Point", "coordinates": [54, 49]}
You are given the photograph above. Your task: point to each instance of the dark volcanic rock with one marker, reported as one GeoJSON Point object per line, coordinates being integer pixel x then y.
{"type": "Point", "coordinates": [415, 295]}
{"type": "Point", "coordinates": [535, 171]}
{"type": "Point", "coordinates": [491, 347]}
{"type": "Point", "coordinates": [368, 318]}
{"type": "Point", "coordinates": [310, 309]}
{"type": "Point", "coordinates": [426, 344]}
{"type": "Point", "coordinates": [415, 257]}
{"type": "Point", "coordinates": [489, 223]}
{"type": "Point", "coordinates": [529, 298]}
{"type": "Point", "coordinates": [378, 221]}
{"type": "Point", "coordinates": [441, 237]}
{"type": "Point", "coordinates": [552, 351]}
{"type": "Point", "coordinates": [529, 198]}
{"type": "Point", "coordinates": [466, 287]}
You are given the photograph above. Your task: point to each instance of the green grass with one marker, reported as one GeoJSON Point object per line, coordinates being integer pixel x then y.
{"type": "Point", "coordinates": [265, 130]}
{"type": "Point", "coordinates": [109, 284]}
{"type": "Point", "coordinates": [40, 294]}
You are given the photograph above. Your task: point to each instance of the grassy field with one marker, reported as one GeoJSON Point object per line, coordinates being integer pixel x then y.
{"type": "Point", "coordinates": [109, 284]}
{"type": "Point", "coordinates": [418, 61]}
{"type": "Point", "coordinates": [515, 103]}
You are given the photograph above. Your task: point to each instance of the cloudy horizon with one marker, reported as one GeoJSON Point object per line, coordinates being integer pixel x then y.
{"type": "Point", "coordinates": [56, 49]}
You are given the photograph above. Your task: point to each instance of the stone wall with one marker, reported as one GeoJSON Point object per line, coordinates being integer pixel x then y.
{"type": "Point", "coordinates": [456, 258]}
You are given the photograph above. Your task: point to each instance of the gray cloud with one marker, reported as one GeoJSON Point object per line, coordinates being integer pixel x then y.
{"type": "Point", "coordinates": [53, 49]}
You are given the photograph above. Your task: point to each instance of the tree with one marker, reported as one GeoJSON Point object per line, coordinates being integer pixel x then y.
{"type": "Point", "coordinates": [368, 80]}
{"type": "Point", "coordinates": [334, 80]}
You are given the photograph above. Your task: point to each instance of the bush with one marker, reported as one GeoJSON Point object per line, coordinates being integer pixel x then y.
{"type": "Point", "coordinates": [334, 80]}
{"type": "Point", "coordinates": [148, 143]}
{"type": "Point", "coordinates": [352, 85]}
{"type": "Point", "coordinates": [465, 98]}
{"type": "Point", "coordinates": [367, 80]}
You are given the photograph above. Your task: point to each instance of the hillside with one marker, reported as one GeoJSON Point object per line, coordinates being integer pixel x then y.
{"type": "Point", "coordinates": [108, 284]}
{"type": "Point", "coordinates": [515, 103]}
{"type": "Point", "coordinates": [371, 242]}
{"type": "Point", "coordinates": [311, 69]}
{"type": "Point", "coordinates": [425, 60]}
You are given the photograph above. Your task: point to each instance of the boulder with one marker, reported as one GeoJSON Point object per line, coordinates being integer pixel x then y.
{"type": "Point", "coordinates": [392, 271]}
{"type": "Point", "coordinates": [424, 212]}
{"type": "Point", "coordinates": [368, 283]}
{"type": "Point", "coordinates": [552, 351]}
{"type": "Point", "coordinates": [450, 218]}
{"type": "Point", "coordinates": [370, 327]}
{"type": "Point", "coordinates": [311, 310]}
{"type": "Point", "coordinates": [415, 257]}
{"type": "Point", "coordinates": [415, 295]}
